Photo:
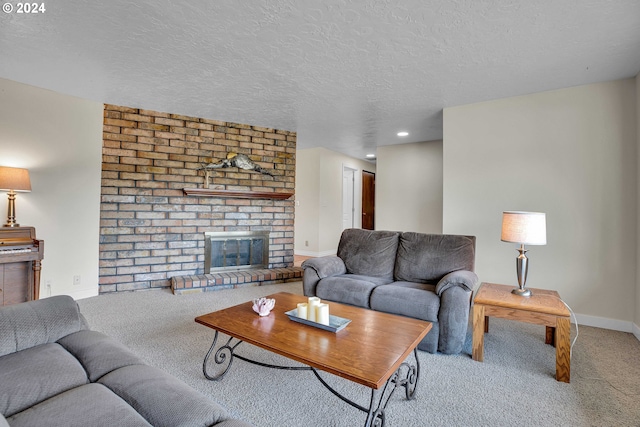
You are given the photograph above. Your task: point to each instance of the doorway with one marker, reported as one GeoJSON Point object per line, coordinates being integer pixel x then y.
{"type": "Point", "coordinates": [348, 192]}
{"type": "Point", "coordinates": [368, 200]}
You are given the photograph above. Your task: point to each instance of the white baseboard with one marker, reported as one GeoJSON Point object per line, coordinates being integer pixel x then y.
{"type": "Point", "coordinates": [315, 254]}
{"type": "Point", "coordinates": [76, 295]}
{"type": "Point", "coordinates": [605, 323]}
{"type": "Point", "coordinates": [87, 293]}
{"type": "Point", "coordinates": [636, 331]}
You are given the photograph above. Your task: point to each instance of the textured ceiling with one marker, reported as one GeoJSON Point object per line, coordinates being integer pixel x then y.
{"type": "Point", "coordinates": [345, 74]}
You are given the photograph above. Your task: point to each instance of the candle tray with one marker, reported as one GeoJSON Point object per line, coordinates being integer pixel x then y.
{"type": "Point", "coordinates": [335, 323]}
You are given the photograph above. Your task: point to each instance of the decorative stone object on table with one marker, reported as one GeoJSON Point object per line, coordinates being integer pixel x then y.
{"type": "Point", "coordinates": [263, 306]}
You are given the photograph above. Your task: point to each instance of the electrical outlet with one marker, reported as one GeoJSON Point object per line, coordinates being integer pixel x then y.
{"type": "Point", "coordinates": [47, 285]}
{"type": "Point", "coordinates": [306, 243]}
{"type": "Point", "coordinates": [76, 281]}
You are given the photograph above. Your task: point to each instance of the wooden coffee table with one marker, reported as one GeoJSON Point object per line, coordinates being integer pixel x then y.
{"type": "Point", "coordinates": [371, 350]}
{"type": "Point", "coordinates": [543, 307]}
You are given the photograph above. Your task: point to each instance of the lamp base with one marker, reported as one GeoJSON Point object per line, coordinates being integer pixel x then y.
{"type": "Point", "coordinates": [522, 267]}
{"type": "Point", "coordinates": [524, 292]}
{"type": "Point", "coordinates": [11, 210]}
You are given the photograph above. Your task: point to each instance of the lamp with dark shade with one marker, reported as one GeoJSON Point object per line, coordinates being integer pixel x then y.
{"type": "Point", "coordinates": [524, 228]}
{"type": "Point", "coordinates": [13, 180]}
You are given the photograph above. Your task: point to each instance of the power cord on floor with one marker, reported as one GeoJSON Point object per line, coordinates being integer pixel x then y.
{"type": "Point", "coordinates": [575, 320]}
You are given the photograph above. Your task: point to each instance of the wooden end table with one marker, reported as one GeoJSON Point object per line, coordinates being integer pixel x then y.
{"type": "Point", "coordinates": [543, 307]}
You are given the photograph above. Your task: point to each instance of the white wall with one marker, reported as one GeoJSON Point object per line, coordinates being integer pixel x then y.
{"type": "Point", "coordinates": [307, 213]}
{"type": "Point", "coordinates": [59, 139]}
{"type": "Point", "coordinates": [571, 153]}
{"type": "Point", "coordinates": [319, 191]}
{"type": "Point", "coordinates": [636, 330]}
{"type": "Point", "coordinates": [409, 187]}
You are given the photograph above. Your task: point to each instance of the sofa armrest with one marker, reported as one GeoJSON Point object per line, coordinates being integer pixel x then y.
{"type": "Point", "coordinates": [463, 278]}
{"type": "Point", "coordinates": [453, 319]}
{"type": "Point", "coordinates": [326, 266]}
{"type": "Point", "coordinates": [316, 269]}
{"type": "Point", "coordinates": [455, 291]}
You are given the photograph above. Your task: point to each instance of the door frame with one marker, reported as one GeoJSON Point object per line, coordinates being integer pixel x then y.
{"type": "Point", "coordinates": [373, 199]}
{"type": "Point", "coordinates": [352, 172]}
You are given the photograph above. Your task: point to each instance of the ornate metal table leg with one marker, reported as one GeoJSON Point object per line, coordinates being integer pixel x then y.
{"type": "Point", "coordinates": [220, 357]}
{"type": "Point", "coordinates": [229, 350]}
{"type": "Point", "coordinates": [410, 383]}
{"type": "Point", "coordinates": [375, 417]}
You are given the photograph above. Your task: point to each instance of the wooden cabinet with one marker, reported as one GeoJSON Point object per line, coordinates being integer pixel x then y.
{"type": "Point", "coordinates": [20, 263]}
{"type": "Point", "coordinates": [14, 279]}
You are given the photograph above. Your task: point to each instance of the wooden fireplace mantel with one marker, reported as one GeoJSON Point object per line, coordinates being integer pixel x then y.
{"type": "Point", "coordinates": [207, 192]}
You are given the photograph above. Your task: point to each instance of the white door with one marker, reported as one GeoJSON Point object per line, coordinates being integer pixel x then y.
{"type": "Point", "coordinates": [348, 185]}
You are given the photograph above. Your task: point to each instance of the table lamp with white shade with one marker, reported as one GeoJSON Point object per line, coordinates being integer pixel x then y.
{"type": "Point", "coordinates": [524, 228]}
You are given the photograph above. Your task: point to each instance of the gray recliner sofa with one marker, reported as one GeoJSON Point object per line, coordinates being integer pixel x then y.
{"type": "Point", "coordinates": [424, 276]}
{"type": "Point", "coordinates": [54, 371]}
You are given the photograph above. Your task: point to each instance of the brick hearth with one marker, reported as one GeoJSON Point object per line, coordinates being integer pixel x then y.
{"type": "Point", "coordinates": [234, 279]}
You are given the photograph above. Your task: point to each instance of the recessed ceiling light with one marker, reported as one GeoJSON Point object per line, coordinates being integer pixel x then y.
{"type": "Point", "coordinates": [403, 133]}
{"type": "Point", "coordinates": [370, 156]}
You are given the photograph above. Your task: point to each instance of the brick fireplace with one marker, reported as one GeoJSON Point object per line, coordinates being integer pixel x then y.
{"type": "Point", "coordinates": [155, 208]}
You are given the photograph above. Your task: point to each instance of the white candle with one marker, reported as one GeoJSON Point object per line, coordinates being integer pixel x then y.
{"type": "Point", "coordinates": [302, 310]}
{"type": "Point", "coordinates": [311, 308]}
{"type": "Point", "coordinates": [322, 313]}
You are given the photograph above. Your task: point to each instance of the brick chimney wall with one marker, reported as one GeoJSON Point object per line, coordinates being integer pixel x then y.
{"type": "Point", "coordinates": [150, 230]}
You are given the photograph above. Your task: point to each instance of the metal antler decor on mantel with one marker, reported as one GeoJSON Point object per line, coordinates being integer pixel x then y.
{"type": "Point", "coordinates": [235, 160]}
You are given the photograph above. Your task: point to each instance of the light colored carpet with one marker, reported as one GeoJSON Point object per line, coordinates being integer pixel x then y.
{"type": "Point", "coordinates": [515, 386]}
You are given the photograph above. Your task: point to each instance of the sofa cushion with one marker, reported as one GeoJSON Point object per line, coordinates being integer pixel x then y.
{"type": "Point", "coordinates": [369, 253]}
{"type": "Point", "coordinates": [98, 353]}
{"type": "Point", "coordinates": [30, 376]}
{"type": "Point", "coordinates": [351, 289]}
{"type": "Point", "coordinates": [410, 299]}
{"type": "Point", "coordinates": [161, 399]}
{"type": "Point", "coordinates": [89, 405]}
{"type": "Point", "coordinates": [38, 322]}
{"type": "Point", "coordinates": [426, 258]}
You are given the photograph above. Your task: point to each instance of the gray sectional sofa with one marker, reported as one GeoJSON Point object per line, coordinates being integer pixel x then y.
{"type": "Point", "coordinates": [424, 276]}
{"type": "Point", "coordinates": [54, 371]}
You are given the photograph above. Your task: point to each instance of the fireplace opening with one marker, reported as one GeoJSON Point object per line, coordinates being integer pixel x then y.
{"type": "Point", "coordinates": [236, 250]}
